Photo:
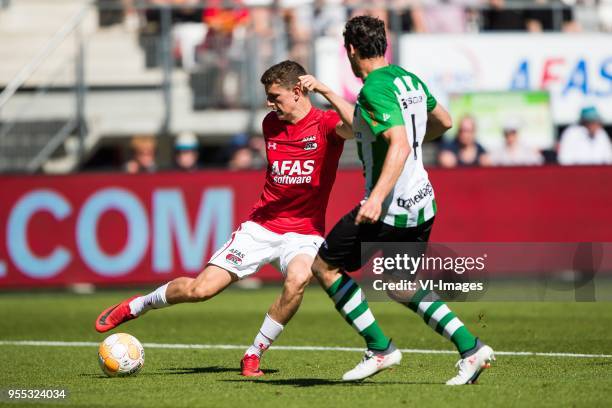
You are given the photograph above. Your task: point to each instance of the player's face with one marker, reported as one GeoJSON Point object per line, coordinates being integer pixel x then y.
{"type": "Point", "coordinates": [282, 100]}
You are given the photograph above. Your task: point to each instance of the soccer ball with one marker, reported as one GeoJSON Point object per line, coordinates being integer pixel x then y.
{"type": "Point", "coordinates": [120, 354]}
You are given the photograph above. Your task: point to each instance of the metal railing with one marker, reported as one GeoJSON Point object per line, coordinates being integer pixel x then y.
{"type": "Point", "coordinates": [139, 89]}
{"type": "Point", "coordinates": [26, 72]}
{"type": "Point", "coordinates": [21, 148]}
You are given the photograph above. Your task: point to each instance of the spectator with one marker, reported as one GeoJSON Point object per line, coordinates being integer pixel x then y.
{"type": "Point", "coordinates": [242, 159]}
{"type": "Point", "coordinates": [464, 151]}
{"type": "Point", "coordinates": [143, 155]}
{"type": "Point", "coordinates": [188, 32]}
{"type": "Point", "coordinates": [514, 153]}
{"type": "Point", "coordinates": [186, 152]}
{"type": "Point", "coordinates": [587, 142]}
{"type": "Point", "coordinates": [220, 51]}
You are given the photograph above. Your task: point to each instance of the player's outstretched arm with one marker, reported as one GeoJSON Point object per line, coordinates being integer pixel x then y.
{"type": "Point", "coordinates": [398, 152]}
{"type": "Point", "coordinates": [438, 122]}
{"type": "Point", "coordinates": [344, 108]}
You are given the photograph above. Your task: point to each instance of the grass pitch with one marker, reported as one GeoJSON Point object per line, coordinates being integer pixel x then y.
{"type": "Point", "coordinates": [210, 377]}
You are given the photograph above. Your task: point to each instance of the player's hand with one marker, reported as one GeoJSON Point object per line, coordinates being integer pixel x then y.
{"type": "Point", "coordinates": [310, 83]}
{"type": "Point", "coordinates": [369, 212]}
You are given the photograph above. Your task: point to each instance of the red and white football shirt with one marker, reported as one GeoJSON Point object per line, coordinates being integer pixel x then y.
{"type": "Point", "coordinates": [302, 163]}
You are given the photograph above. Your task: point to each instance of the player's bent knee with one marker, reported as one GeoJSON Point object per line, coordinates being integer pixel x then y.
{"type": "Point", "coordinates": [297, 281]}
{"type": "Point", "coordinates": [199, 293]}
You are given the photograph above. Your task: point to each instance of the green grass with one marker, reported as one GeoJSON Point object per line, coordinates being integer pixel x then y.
{"type": "Point", "coordinates": [187, 378]}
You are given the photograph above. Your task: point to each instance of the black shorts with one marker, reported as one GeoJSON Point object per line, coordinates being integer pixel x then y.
{"type": "Point", "coordinates": [343, 245]}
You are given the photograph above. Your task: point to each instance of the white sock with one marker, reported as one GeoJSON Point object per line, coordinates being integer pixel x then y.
{"type": "Point", "coordinates": [269, 331]}
{"type": "Point", "coordinates": [154, 300]}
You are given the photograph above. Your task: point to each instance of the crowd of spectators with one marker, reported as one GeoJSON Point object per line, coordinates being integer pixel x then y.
{"type": "Point", "coordinates": [243, 153]}
{"type": "Point", "coordinates": [210, 43]}
{"type": "Point", "coordinates": [214, 40]}
{"type": "Point", "coordinates": [585, 143]}
{"type": "Point", "coordinates": [465, 151]}
{"type": "Point", "coordinates": [305, 18]}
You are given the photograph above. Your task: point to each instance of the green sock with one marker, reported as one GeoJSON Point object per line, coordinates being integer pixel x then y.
{"type": "Point", "coordinates": [440, 318]}
{"type": "Point", "coordinates": [349, 301]}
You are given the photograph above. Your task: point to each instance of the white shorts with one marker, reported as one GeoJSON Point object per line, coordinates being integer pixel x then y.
{"type": "Point", "coordinates": [252, 246]}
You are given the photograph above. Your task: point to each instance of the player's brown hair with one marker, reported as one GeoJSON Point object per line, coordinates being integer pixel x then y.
{"type": "Point", "coordinates": [286, 74]}
{"type": "Point", "coordinates": [367, 35]}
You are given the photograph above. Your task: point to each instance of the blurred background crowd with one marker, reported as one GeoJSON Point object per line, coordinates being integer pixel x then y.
{"type": "Point", "coordinates": [145, 86]}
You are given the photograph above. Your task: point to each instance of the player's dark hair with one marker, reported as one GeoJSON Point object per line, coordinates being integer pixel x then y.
{"type": "Point", "coordinates": [367, 35]}
{"type": "Point", "coordinates": [286, 74]}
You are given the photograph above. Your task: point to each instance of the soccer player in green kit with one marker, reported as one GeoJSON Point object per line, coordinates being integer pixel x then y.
{"type": "Point", "coordinates": [395, 113]}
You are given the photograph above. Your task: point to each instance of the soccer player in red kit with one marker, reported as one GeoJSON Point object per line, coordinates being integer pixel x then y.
{"type": "Point", "coordinates": [285, 227]}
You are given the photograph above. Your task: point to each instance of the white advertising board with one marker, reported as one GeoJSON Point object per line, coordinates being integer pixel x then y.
{"type": "Point", "coordinates": [575, 68]}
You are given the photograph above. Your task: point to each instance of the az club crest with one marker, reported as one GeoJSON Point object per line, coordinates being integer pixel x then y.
{"type": "Point", "coordinates": [233, 259]}
{"type": "Point", "coordinates": [310, 146]}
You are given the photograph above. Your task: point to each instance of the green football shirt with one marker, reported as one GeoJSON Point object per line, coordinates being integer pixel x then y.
{"type": "Point", "coordinates": [392, 96]}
